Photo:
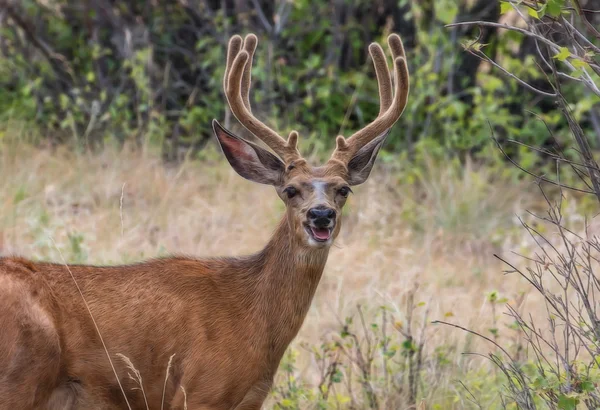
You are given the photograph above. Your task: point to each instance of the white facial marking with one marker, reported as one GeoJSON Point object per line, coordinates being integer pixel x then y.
{"type": "Point", "coordinates": [319, 187]}
{"type": "Point", "coordinates": [315, 244]}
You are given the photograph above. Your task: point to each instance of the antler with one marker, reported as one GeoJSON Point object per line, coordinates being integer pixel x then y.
{"type": "Point", "coordinates": [390, 107]}
{"type": "Point", "coordinates": [236, 84]}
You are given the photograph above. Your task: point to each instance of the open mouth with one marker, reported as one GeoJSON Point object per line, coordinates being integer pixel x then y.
{"type": "Point", "coordinates": [319, 234]}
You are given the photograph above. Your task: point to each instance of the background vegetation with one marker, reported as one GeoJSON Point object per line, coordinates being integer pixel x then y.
{"type": "Point", "coordinates": [106, 151]}
{"type": "Point", "coordinates": [99, 71]}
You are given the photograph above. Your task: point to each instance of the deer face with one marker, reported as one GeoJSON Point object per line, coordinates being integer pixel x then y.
{"type": "Point", "coordinates": [314, 200]}
{"type": "Point", "coordinates": [314, 196]}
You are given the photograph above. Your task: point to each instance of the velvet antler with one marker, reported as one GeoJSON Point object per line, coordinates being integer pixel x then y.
{"type": "Point", "coordinates": [236, 84]}
{"type": "Point", "coordinates": [391, 104]}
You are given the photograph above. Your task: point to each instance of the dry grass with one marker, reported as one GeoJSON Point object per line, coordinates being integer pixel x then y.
{"type": "Point", "coordinates": [436, 230]}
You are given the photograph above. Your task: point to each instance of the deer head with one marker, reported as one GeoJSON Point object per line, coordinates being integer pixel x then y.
{"type": "Point", "coordinates": [314, 195]}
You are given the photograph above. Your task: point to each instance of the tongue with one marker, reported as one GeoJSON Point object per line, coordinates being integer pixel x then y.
{"type": "Point", "coordinates": [322, 234]}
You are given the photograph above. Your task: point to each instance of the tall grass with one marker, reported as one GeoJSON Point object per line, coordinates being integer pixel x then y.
{"type": "Point", "coordinates": [417, 245]}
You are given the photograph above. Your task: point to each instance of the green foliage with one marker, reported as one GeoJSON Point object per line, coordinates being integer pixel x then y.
{"type": "Point", "coordinates": [115, 81]}
{"type": "Point", "coordinates": [78, 253]}
{"type": "Point", "coordinates": [153, 75]}
{"type": "Point", "coordinates": [367, 364]}
{"type": "Point", "coordinates": [375, 360]}
{"type": "Point", "coordinates": [464, 202]}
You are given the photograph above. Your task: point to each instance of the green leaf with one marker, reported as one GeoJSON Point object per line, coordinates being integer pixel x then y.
{"type": "Point", "coordinates": [577, 63]}
{"type": "Point", "coordinates": [577, 73]}
{"type": "Point", "coordinates": [447, 14]}
{"type": "Point", "coordinates": [287, 403]}
{"type": "Point", "coordinates": [341, 399]}
{"type": "Point", "coordinates": [540, 383]}
{"type": "Point", "coordinates": [587, 386]}
{"type": "Point", "coordinates": [563, 54]}
{"type": "Point", "coordinates": [471, 44]}
{"type": "Point", "coordinates": [20, 195]}
{"type": "Point", "coordinates": [533, 13]}
{"type": "Point", "coordinates": [553, 7]}
{"type": "Point", "coordinates": [408, 345]}
{"type": "Point", "coordinates": [505, 7]}
{"type": "Point", "coordinates": [567, 403]}
{"type": "Point", "coordinates": [337, 377]}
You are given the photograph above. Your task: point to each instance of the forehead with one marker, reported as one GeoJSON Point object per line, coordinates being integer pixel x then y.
{"type": "Point", "coordinates": [319, 178]}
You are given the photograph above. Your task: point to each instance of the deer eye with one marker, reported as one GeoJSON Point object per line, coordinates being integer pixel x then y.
{"type": "Point", "coordinates": [291, 191]}
{"type": "Point", "coordinates": [344, 191]}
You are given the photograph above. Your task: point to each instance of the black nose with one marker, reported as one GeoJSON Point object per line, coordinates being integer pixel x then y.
{"type": "Point", "coordinates": [321, 216]}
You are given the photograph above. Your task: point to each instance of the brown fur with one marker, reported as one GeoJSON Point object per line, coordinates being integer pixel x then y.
{"type": "Point", "coordinates": [228, 322]}
{"type": "Point", "coordinates": [225, 322]}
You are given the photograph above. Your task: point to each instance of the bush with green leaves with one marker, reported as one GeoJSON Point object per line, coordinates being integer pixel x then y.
{"type": "Point", "coordinates": [96, 72]}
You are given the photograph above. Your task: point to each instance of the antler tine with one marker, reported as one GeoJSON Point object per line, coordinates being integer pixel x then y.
{"type": "Point", "coordinates": [396, 46]}
{"type": "Point", "coordinates": [384, 81]}
{"type": "Point", "coordinates": [237, 83]}
{"type": "Point", "coordinates": [391, 107]}
{"type": "Point", "coordinates": [233, 48]}
{"type": "Point", "coordinates": [250, 47]}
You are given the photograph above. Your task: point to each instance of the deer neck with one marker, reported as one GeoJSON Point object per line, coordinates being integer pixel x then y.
{"type": "Point", "coordinates": [287, 283]}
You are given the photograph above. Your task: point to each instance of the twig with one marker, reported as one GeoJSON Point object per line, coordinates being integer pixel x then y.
{"type": "Point", "coordinates": [121, 209]}
{"type": "Point", "coordinates": [138, 376]}
{"type": "Point", "coordinates": [538, 177]}
{"type": "Point", "coordinates": [475, 334]}
{"type": "Point", "coordinates": [261, 16]}
{"type": "Point", "coordinates": [506, 27]}
{"type": "Point", "coordinates": [185, 407]}
{"type": "Point", "coordinates": [162, 403]}
{"type": "Point", "coordinates": [589, 25]}
{"type": "Point", "coordinates": [505, 71]}
{"type": "Point", "coordinates": [57, 61]}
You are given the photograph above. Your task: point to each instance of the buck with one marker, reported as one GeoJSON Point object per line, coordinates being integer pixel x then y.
{"type": "Point", "coordinates": [222, 324]}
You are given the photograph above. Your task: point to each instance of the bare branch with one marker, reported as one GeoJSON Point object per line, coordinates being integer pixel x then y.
{"type": "Point", "coordinates": [484, 57]}
{"type": "Point", "coordinates": [589, 25]}
{"type": "Point", "coordinates": [506, 27]}
{"type": "Point", "coordinates": [538, 177]}
{"type": "Point", "coordinates": [262, 17]}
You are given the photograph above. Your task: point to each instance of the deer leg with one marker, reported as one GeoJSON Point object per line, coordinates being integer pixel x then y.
{"type": "Point", "coordinates": [72, 396]}
{"type": "Point", "coordinates": [255, 398]}
{"type": "Point", "coordinates": [29, 349]}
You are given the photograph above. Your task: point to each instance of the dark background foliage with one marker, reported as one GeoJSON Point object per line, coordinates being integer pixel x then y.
{"type": "Point", "coordinates": [150, 71]}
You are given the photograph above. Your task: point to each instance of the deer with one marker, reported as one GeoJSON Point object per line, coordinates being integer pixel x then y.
{"type": "Point", "coordinates": [222, 324]}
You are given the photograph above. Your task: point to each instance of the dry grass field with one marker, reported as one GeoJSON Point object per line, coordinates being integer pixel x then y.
{"type": "Point", "coordinates": [419, 243]}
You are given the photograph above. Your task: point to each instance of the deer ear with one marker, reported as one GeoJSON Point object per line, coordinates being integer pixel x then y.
{"type": "Point", "coordinates": [249, 160]}
{"type": "Point", "coordinates": [362, 162]}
